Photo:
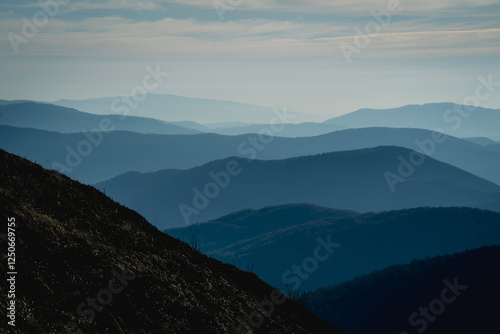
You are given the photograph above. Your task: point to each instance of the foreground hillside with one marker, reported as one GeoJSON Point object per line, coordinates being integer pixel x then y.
{"type": "Point", "coordinates": [353, 180]}
{"type": "Point", "coordinates": [85, 262]}
{"type": "Point", "coordinates": [363, 242]}
{"type": "Point", "coordinates": [453, 294]}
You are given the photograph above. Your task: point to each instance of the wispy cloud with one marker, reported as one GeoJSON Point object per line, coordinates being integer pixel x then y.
{"type": "Point", "coordinates": [111, 36]}
{"type": "Point", "coordinates": [334, 6]}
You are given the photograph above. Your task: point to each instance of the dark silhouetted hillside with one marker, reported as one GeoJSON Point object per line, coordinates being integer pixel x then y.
{"type": "Point", "coordinates": [367, 241]}
{"type": "Point", "coordinates": [72, 240]}
{"type": "Point", "coordinates": [385, 300]}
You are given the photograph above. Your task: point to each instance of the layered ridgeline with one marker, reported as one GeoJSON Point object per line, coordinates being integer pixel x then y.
{"type": "Point", "coordinates": [361, 180]}
{"type": "Point", "coordinates": [453, 119]}
{"type": "Point", "coordinates": [95, 157]}
{"type": "Point", "coordinates": [486, 143]}
{"type": "Point", "coordinates": [50, 117]}
{"type": "Point", "coordinates": [275, 240]}
{"type": "Point", "coordinates": [45, 116]}
{"type": "Point", "coordinates": [448, 294]}
{"type": "Point", "coordinates": [307, 129]}
{"type": "Point", "coordinates": [85, 262]}
{"type": "Point", "coordinates": [179, 108]}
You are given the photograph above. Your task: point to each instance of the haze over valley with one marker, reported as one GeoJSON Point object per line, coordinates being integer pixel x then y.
{"type": "Point", "coordinates": [256, 167]}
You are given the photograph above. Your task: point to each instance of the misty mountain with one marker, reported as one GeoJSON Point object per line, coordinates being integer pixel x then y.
{"type": "Point", "coordinates": [487, 143]}
{"type": "Point", "coordinates": [356, 180]}
{"type": "Point", "coordinates": [6, 102]}
{"type": "Point", "coordinates": [362, 242]}
{"type": "Point", "coordinates": [459, 293]}
{"type": "Point", "coordinates": [172, 108]}
{"type": "Point", "coordinates": [192, 125]}
{"type": "Point", "coordinates": [50, 117]}
{"type": "Point", "coordinates": [307, 129]}
{"type": "Point", "coordinates": [223, 125]}
{"type": "Point", "coordinates": [483, 141]}
{"type": "Point", "coordinates": [119, 152]}
{"type": "Point", "coordinates": [450, 118]}
{"type": "Point", "coordinates": [75, 244]}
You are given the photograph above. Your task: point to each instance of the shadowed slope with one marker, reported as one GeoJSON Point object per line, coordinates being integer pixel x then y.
{"type": "Point", "coordinates": [72, 238]}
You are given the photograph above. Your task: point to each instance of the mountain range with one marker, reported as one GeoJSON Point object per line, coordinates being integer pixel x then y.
{"type": "Point", "coordinates": [114, 153]}
{"type": "Point", "coordinates": [55, 118]}
{"type": "Point", "coordinates": [273, 240]}
{"type": "Point", "coordinates": [362, 210]}
{"type": "Point", "coordinates": [360, 180]}
{"type": "Point", "coordinates": [172, 108]}
{"type": "Point", "coordinates": [450, 118]}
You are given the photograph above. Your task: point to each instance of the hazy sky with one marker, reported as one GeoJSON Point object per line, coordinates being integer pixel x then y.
{"type": "Point", "coordinates": [274, 53]}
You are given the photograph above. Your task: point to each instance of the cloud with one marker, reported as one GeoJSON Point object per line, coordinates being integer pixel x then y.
{"type": "Point", "coordinates": [245, 39]}
{"type": "Point", "coordinates": [334, 6]}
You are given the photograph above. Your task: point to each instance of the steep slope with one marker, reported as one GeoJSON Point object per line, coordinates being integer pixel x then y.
{"type": "Point", "coordinates": [44, 116]}
{"type": "Point", "coordinates": [353, 180]}
{"type": "Point", "coordinates": [84, 261]}
{"type": "Point", "coordinates": [365, 242]}
{"type": "Point", "coordinates": [120, 152]}
{"type": "Point", "coordinates": [384, 301]}
{"type": "Point", "coordinates": [450, 118]}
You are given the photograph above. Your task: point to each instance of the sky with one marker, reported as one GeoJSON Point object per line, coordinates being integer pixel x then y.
{"type": "Point", "coordinates": [273, 53]}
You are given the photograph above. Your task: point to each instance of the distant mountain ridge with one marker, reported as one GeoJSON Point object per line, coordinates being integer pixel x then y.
{"type": "Point", "coordinates": [353, 180]}
{"type": "Point", "coordinates": [307, 129]}
{"type": "Point", "coordinates": [450, 118]}
{"type": "Point", "coordinates": [172, 108]}
{"type": "Point", "coordinates": [120, 152]}
{"type": "Point", "coordinates": [50, 117]}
